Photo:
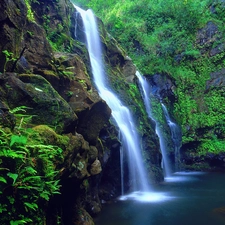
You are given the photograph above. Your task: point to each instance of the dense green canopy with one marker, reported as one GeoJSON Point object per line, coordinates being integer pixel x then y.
{"type": "Point", "coordinates": [184, 39]}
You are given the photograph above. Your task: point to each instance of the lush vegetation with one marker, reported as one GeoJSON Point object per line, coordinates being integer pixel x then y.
{"type": "Point", "coordinates": [29, 176]}
{"type": "Point", "coordinates": [165, 37]}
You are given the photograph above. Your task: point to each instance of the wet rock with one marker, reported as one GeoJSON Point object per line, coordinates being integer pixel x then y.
{"type": "Point", "coordinates": [129, 70]}
{"type": "Point", "coordinates": [82, 218]}
{"type": "Point", "coordinates": [93, 154]}
{"type": "Point", "coordinates": [206, 37]}
{"type": "Point", "coordinates": [96, 167]}
{"type": "Point", "coordinates": [217, 79]}
{"type": "Point", "coordinates": [93, 120]}
{"type": "Point", "coordinates": [77, 22]}
{"type": "Point", "coordinates": [162, 86]}
{"type": "Point", "coordinates": [78, 158]}
{"type": "Point", "coordinates": [22, 38]}
{"type": "Point", "coordinates": [73, 82]}
{"type": "Point", "coordinates": [45, 105]}
{"type": "Point", "coordinates": [114, 55]}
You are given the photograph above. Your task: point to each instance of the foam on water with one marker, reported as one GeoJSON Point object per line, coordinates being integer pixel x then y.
{"type": "Point", "coordinates": [147, 196]}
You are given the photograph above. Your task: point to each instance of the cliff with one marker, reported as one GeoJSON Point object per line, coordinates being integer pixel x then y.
{"type": "Point", "coordinates": [179, 47]}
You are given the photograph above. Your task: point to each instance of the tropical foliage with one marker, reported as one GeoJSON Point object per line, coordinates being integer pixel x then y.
{"type": "Point", "coordinates": [28, 177]}
{"type": "Point", "coordinates": [163, 37]}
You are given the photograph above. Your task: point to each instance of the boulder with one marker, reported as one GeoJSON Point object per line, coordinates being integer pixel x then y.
{"type": "Point", "coordinates": [43, 103]}
{"type": "Point", "coordinates": [95, 167]}
{"type": "Point", "coordinates": [93, 120]}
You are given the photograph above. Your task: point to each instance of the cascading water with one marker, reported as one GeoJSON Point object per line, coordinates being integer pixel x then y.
{"type": "Point", "coordinates": [175, 135]}
{"type": "Point", "coordinates": [121, 114]}
{"type": "Point", "coordinates": [146, 97]}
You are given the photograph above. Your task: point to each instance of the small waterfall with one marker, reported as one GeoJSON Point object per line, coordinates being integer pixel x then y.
{"type": "Point", "coordinates": [175, 135]}
{"type": "Point", "coordinates": [146, 97]}
{"type": "Point", "coordinates": [120, 113]}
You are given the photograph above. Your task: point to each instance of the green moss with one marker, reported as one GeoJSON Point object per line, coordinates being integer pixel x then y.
{"type": "Point", "coordinates": [30, 14]}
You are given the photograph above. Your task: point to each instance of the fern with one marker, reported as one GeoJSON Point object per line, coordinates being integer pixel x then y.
{"type": "Point", "coordinates": [32, 206]}
{"type": "Point", "coordinates": [14, 176]}
{"type": "Point", "coordinates": [19, 109]}
{"type": "Point", "coordinates": [15, 139]}
{"type": "Point", "coordinates": [29, 171]}
{"type": "Point", "coordinates": [8, 153]}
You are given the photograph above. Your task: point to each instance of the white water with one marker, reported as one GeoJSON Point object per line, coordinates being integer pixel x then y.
{"type": "Point", "coordinates": [175, 135]}
{"type": "Point", "coordinates": [146, 96]}
{"type": "Point", "coordinates": [120, 113]}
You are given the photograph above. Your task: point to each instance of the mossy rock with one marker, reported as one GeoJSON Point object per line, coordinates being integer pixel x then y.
{"type": "Point", "coordinates": [45, 105]}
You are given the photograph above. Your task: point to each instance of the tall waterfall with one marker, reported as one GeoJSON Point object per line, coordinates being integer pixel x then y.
{"type": "Point", "coordinates": [175, 135]}
{"type": "Point", "coordinates": [145, 93]}
{"type": "Point", "coordinates": [120, 113]}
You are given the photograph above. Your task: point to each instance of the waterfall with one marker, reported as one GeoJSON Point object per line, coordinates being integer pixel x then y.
{"type": "Point", "coordinates": [120, 113]}
{"type": "Point", "coordinates": [146, 97]}
{"type": "Point", "coordinates": [175, 135]}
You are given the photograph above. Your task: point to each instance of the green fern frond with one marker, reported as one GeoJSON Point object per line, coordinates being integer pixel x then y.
{"type": "Point", "coordinates": [15, 139]}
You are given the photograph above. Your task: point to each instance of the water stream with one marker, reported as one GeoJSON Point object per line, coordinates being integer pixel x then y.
{"type": "Point", "coordinates": [120, 113]}
{"type": "Point", "coordinates": [175, 135]}
{"type": "Point", "coordinates": [184, 198]}
{"type": "Point", "coordinates": [146, 97]}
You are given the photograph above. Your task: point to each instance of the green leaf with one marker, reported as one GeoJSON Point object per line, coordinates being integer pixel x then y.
{"type": "Point", "coordinates": [20, 109]}
{"type": "Point", "coordinates": [14, 176]}
{"type": "Point", "coordinates": [12, 154]}
{"type": "Point", "coordinates": [3, 207]}
{"type": "Point", "coordinates": [29, 170]}
{"type": "Point", "coordinates": [20, 222]}
{"type": "Point", "coordinates": [32, 206]}
{"type": "Point", "coordinates": [11, 200]}
{"type": "Point", "coordinates": [3, 180]}
{"type": "Point", "coordinates": [7, 53]}
{"type": "Point", "coordinates": [17, 222]}
{"type": "Point", "coordinates": [32, 178]}
{"type": "Point", "coordinates": [18, 139]}
{"type": "Point", "coordinates": [45, 195]}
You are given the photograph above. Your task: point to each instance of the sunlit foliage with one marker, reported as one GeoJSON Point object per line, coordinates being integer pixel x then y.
{"type": "Point", "coordinates": [161, 37]}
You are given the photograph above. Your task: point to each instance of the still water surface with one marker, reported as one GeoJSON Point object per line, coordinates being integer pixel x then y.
{"type": "Point", "coordinates": [192, 198]}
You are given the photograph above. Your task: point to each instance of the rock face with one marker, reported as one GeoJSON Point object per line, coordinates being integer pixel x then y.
{"type": "Point", "coordinates": [217, 79]}
{"type": "Point", "coordinates": [22, 37]}
{"type": "Point", "coordinates": [162, 86]}
{"type": "Point", "coordinates": [207, 37]}
{"type": "Point", "coordinates": [46, 73]}
{"type": "Point", "coordinates": [42, 101]}
{"type": "Point", "coordinates": [205, 148]}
